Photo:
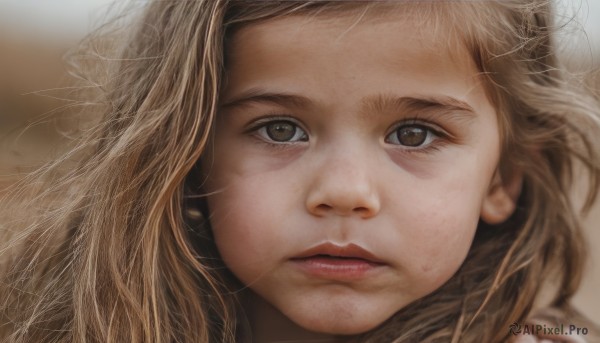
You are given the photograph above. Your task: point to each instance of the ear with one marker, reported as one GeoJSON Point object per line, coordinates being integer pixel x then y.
{"type": "Point", "coordinates": [501, 200]}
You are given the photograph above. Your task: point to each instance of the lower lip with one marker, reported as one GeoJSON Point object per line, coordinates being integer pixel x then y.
{"type": "Point", "coordinates": [343, 269]}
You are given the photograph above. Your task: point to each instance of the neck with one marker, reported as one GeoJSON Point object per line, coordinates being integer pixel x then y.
{"type": "Point", "coordinates": [269, 325]}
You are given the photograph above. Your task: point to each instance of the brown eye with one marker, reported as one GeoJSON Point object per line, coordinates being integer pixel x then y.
{"type": "Point", "coordinates": [411, 136]}
{"type": "Point", "coordinates": [282, 131]}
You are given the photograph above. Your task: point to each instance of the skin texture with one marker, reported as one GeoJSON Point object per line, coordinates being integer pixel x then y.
{"type": "Point", "coordinates": [344, 177]}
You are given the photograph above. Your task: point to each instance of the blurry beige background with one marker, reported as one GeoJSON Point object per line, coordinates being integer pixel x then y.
{"type": "Point", "coordinates": [35, 33]}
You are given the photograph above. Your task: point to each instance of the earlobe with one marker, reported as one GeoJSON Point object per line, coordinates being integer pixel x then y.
{"type": "Point", "coordinates": [501, 199]}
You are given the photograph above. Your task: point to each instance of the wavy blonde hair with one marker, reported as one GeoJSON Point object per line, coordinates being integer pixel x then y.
{"type": "Point", "coordinates": [111, 250]}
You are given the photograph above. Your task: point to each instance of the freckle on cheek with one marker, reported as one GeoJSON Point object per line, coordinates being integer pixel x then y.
{"type": "Point", "coordinates": [426, 268]}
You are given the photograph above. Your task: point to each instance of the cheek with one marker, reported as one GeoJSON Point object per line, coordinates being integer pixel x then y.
{"type": "Point", "coordinates": [437, 229]}
{"type": "Point", "coordinates": [444, 246]}
{"type": "Point", "coordinates": [244, 219]}
{"type": "Point", "coordinates": [437, 249]}
{"type": "Point", "coordinates": [233, 222]}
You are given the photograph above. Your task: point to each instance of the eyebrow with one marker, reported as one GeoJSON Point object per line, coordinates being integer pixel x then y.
{"type": "Point", "coordinates": [372, 104]}
{"type": "Point", "coordinates": [261, 96]}
{"type": "Point", "coordinates": [425, 101]}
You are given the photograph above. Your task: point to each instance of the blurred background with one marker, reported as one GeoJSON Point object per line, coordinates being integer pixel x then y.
{"type": "Point", "coordinates": [35, 34]}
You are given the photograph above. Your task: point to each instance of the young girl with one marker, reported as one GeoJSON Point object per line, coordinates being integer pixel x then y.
{"type": "Point", "coordinates": [323, 171]}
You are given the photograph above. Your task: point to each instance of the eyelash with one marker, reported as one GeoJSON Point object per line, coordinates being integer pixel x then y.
{"type": "Point", "coordinates": [267, 120]}
{"type": "Point", "coordinates": [439, 139]}
{"type": "Point", "coordinates": [435, 143]}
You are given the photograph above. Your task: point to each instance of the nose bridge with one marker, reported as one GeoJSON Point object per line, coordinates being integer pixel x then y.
{"type": "Point", "coordinates": [344, 183]}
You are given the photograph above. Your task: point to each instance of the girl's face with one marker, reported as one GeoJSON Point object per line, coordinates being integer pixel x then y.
{"type": "Point", "coordinates": [349, 168]}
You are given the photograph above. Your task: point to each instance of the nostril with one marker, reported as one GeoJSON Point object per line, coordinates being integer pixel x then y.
{"type": "Point", "coordinates": [350, 201]}
{"type": "Point", "coordinates": [360, 210]}
{"type": "Point", "coordinates": [324, 208]}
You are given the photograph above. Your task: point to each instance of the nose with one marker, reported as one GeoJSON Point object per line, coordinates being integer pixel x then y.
{"type": "Point", "coordinates": [344, 187]}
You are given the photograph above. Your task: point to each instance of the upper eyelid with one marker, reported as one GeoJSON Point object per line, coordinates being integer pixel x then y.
{"type": "Point", "coordinates": [264, 120]}
{"type": "Point", "coordinates": [260, 123]}
{"type": "Point", "coordinates": [269, 118]}
{"type": "Point", "coordinates": [437, 129]}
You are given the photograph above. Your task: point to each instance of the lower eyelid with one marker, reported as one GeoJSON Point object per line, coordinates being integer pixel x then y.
{"type": "Point", "coordinates": [439, 139]}
{"type": "Point", "coordinates": [430, 131]}
{"type": "Point", "coordinates": [302, 132]}
{"type": "Point", "coordinates": [275, 146]}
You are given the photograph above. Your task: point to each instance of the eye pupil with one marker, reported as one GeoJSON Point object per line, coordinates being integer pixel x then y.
{"type": "Point", "coordinates": [411, 135]}
{"type": "Point", "coordinates": [281, 131]}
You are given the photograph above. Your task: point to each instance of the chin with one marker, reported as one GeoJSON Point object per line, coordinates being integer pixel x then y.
{"type": "Point", "coordinates": [342, 329]}
{"type": "Point", "coordinates": [339, 324]}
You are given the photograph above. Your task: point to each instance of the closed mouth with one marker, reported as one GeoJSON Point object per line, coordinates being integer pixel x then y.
{"type": "Point", "coordinates": [323, 259]}
{"type": "Point", "coordinates": [332, 252]}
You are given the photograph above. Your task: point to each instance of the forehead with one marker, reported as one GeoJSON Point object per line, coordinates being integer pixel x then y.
{"type": "Point", "coordinates": [438, 25]}
{"type": "Point", "coordinates": [389, 37]}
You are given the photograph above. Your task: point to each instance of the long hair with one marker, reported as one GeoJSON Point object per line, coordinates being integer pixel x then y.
{"type": "Point", "coordinates": [109, 248]}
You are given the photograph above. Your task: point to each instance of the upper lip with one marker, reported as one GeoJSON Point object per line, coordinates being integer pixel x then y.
{"type": "Point", "coordinates": [348, 251]}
